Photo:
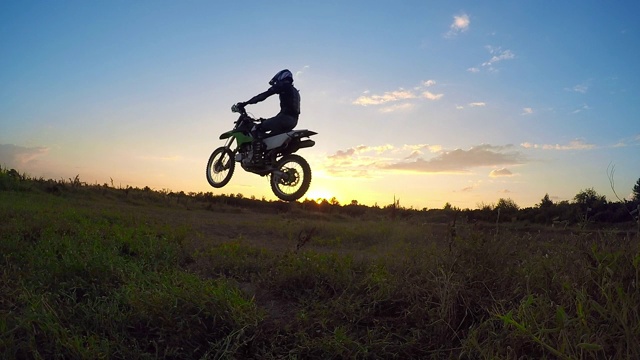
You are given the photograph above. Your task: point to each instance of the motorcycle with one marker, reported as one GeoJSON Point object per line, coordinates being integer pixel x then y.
{"type": "Point", "coordinates": [289, 174]}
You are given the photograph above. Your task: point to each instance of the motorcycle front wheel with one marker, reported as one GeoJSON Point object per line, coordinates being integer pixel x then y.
{"type": "Point", "coordinates": [220, 167]}
{"type": "Point", "coordinates": [292, 178]}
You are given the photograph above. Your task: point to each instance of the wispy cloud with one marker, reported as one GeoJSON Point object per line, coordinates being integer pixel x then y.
{"type": "Point", "coordinates": [527, 111]}
{"type": "Point", "coordinates": [19, 156]}
{"type": "Point", "coordinates": [358, 161]}
{"type": "Point", "coordinates": [389, 96]}
{"type": "Point", "coordinates": [422, 158]}
{"type": "Point", "coordinates": [472, 104]}
{"type": "Point", "coordinates": [500, 172]}
{"type": "Point", "coordinates": [459, 25]}
{"type": "Point", "coordinates": [460, 160]}
{"type": "Point", "coordinates": [468, 188]}
{"type": "Point", "coordinates": [401, 95]}
{"type": "Point", "coordinates": [421, 147]}
{"type": "Point", "coordinates": [580, 88]}
{"type": "Point", "coordinates": [477, 104]}
{"type": "Point", "coordinates": [428, 83]}
{"type": "Point", "coordinates": [497, 55]}
{"type": "Point", "coordinates": [397, 107]}
{"type": "Point", "coordinates": [581, 109]}
{"type": "Point", "coordinates": [361, 149]}
{"type": "Point", "coordinates": [302, 71]}
{"type": "Point", "coordinates": [577, 144]}
{"type": "Point", "coordinates": [431, 96]}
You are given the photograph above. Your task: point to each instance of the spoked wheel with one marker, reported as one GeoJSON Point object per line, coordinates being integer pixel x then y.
{"type": "Point", "coordinates": [292, 178]}
{"type": "Point", "coordinates": [220, 167]}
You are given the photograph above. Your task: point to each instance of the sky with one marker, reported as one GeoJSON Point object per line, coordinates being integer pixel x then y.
{"type": "Point", "coordinates": [425, 102]}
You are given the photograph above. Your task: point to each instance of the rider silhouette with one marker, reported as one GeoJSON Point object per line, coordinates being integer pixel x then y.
{"type": "Point", "coordinates": [287, 118]}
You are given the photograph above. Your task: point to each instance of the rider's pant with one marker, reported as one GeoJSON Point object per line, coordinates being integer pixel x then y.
{"type": "Point", "coordinates": [279, 124]}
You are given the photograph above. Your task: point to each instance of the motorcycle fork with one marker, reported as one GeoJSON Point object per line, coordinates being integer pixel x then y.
{"type": "Point", "coordinates": [228, 144]}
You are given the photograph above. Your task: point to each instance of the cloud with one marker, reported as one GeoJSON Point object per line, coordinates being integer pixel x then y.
{"type": "Point", "coordinates": [463, 160]}
{"type": "Point", "coordinates": [473, 104]}
{"type": "Point", "coordinates": [477, 104]}
{"type": "Point", "coordinates": [397, 107]}
{"type": "Point", "coordinates": [577, 144]}
{"type": "Point", "coordinates": [431, 96]}
{"type": "Point", "coordinates": [20, 156]}
{"type": "Point", "coordinates": [581, 109]}
{"type": "Point", "coordinates": [358, 161]}
{"type": "Point", "coordinates": [420, 147]}
{"type": "Point", "coordinates": [367, 161]}
{"type": "Point", "coordinates": [527, 111]}
{"type": "Point", "coordinates": [340, 154]}
{"type": "Point", "coordinates": [498, 55]}
{"type": "Point", "coordinates": [459, 25]}
{"type": "Point", "coordinates": [389, 96]}
{"type": "Point", "coordinates": [428, 83]}
{"type": "Point", "coordinates": [580, 88]}
{"type": "Point", "coordinates": [360, 149]}
{"type": "Point", "coordinates": [302, 71]}
{"type": "Point", "coordinates": [500, 172]}
{"type": "Point", "coordinates": [400, 95]}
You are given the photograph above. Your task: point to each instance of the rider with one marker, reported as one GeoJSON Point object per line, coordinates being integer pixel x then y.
{"type": "Point", "coordinates": [287, 118]}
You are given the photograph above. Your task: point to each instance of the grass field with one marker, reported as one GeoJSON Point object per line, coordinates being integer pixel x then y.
{"type": "Point", "coordinates": [101, 274]}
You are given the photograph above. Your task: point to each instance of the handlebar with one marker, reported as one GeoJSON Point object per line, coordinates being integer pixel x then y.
{"type": "Point", "coordinates": [238, 109]}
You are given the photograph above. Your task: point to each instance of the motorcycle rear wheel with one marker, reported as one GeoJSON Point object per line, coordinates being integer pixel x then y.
{"type": "Point", "coordinates": [296, 178]}
{"type": "Point", "coordinates": [220, 167]}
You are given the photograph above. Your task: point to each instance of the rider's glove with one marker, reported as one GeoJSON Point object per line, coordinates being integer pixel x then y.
{"type": "Point", "coordinates": [237, 107]}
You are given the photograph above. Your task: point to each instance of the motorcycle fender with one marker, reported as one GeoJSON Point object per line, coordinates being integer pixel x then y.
{"type": "Point", "coordinates": [240, 137]}
{"type": "Point", "coordinates": [226, 135]}
{"type": "Point", "coordinates": [302, 133]}
{"type": "Point", "coordinates": [306, 144]}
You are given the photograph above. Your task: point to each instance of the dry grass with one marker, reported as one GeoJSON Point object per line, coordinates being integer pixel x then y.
{"type": "Point", "coordinates": [88, 275]}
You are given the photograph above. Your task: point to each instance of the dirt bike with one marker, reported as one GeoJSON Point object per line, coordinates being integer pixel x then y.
{"type": "Point", "coordinates": [289, 174]}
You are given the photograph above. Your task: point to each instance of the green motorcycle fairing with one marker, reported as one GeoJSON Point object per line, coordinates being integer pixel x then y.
{"type": "Point", "coordinates": [238, 135]}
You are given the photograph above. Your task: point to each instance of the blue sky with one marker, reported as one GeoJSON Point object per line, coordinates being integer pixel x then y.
{"type": "Point", "coordinates": [431, 102]}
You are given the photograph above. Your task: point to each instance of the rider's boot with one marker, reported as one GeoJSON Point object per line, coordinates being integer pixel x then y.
{"type": "Point", "coordinates": [257, 146]}
{"type": "Point", "coordinates": [257, 151]}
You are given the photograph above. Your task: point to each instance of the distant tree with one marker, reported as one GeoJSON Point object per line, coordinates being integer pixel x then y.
{"type": "Point", "coordinates": [545, 203]}
{"type": "Point", "coordinates": [544, 211]}
{"type": "Point", "coordinates": [590, 198]}
{"type": "Point", "coordinates": [507, 205]}
{"type": "Point", "coordinates": [334, 201]}
{"type": "Point", "coordinates": [447, 206]}
{"type": "Point", "coordinates": [507, 208]}
{"type": "Point", "coordinates": [354, 202]}
{"type": "Point", "coordinates": [482, 206]}
{"type": "Point", "coordinates": [636, 191]}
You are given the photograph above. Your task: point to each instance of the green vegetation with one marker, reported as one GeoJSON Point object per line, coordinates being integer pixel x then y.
{"type": "Point", "coordinates": [93, 271]}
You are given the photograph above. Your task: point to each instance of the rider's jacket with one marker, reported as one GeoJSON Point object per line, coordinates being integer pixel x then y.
{"type": "Point", "coordinates": [289, 98]}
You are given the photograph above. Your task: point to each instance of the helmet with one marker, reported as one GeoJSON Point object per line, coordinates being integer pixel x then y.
{"type": "Point", "coordinates": [281, 75]}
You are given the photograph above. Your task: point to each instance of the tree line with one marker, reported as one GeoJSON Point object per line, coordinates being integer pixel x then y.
{"type": "Point", "coordinates": [587, 206]}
